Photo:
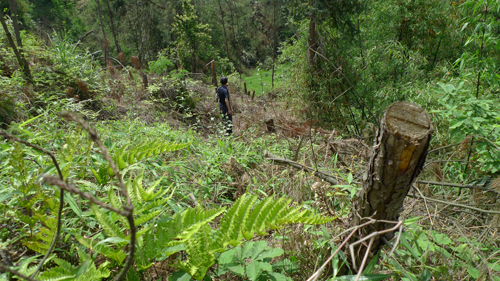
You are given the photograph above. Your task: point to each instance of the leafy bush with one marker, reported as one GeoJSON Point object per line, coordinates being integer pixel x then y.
{"type": "Point", "coordinates": [465, 115]}
{"type": "Point", "coordinates": [253, 261]}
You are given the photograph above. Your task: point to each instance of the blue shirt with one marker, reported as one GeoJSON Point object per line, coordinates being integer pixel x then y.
{"type": "Point", "coordinates": [223, 93]}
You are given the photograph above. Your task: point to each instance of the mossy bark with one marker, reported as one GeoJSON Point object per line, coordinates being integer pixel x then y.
{"type": "Point", "coordinates": [396, 160]}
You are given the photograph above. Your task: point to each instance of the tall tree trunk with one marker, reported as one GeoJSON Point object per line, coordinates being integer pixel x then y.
{"type": "Point", "coordinates": [112, 26]}
{"type": "Point", "coordinates": [17, 32]}
{"type": "Point", "coordinates": [275, 41]}
{"type": "Point", "coordinates": [139, 30]}
{"type": "Point", "coordinates": [236, 43]}
{"type": "Point", "coordinates": [19, 55]}
{"type": "Point", "coordinates": [312, 32]}
{"type": "Point", "coordinates": [396, 160]}
{"type": "Point", "coordinates": [224, 28]}
{"type": "Point", "coordinates": [103, 33]}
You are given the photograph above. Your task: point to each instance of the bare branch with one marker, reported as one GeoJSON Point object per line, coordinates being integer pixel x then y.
{"type": "Point", "coordinates": [61, 195]}
{"type": "Point", "coordinates": [15, 272]}
{"type": "Point", "coordinates": [104, 151]}
{"type": "Point", "coordinates": [128, 208]}
{"type": "Point", "coordinates": [454, 204]}
{"type": "Point", "coordinates": [458, 185]}
{"type": "Point", "coordinates": [327, 177]}
{"type": "Point", "coordinates": [86, 195]}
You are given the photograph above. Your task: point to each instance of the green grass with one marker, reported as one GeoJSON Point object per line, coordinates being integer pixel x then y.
{"type": "Point", "coordinates": [260, 81]}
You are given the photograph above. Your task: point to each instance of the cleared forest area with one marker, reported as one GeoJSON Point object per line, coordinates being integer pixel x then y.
{"type": "Point", "coordinates": [366, 141]}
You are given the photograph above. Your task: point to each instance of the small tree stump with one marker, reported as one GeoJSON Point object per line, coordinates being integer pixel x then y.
{"type": "Point", "coordinates": [396, 160]}
{"type": "Point", "coordinates": [270, 125]}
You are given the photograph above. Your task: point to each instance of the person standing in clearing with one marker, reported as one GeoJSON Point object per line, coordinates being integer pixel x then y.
{"type": "Point", "coordinates": [225, 106]}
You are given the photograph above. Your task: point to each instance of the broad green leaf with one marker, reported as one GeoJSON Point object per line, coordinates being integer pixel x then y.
{"type": "Point", "coordinates": [411, 220]}
{"type": "Point", "coordinates": [238, 270]}
{"type": "Point", "coordinates": [369, 268]}
{"type": "Point", "coordinates": [228, 256]}
{"type": "Point", "coordinates": [440, 238]}
{"type": "Point", "coordinates": [72, 204]}
{"type": "Point", "coordinates": [180, 275]}
{"type": "Point", "coordinates": [113, 240]}
{"type": "Point", "coordinates": [474, 273]}
{"type": "Point", "coordinates": [253, 270]}
{"type": "Point", "coordinates": [272, 253]}
{"type": "Point", "coordinates": [367, 277]}
{"type": "Point", "coordinates": [407, 245]}
{"type": "Point", "coordinates": [275, 276]}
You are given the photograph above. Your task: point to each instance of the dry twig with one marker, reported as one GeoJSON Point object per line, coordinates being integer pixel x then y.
{"type": "Point", "coordinates": [61, 195]}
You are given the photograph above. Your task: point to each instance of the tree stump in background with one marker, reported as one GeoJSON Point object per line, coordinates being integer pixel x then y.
{"type": "Point", "coordinates": [396, 160]}
{"type": "Point", "coordinates": [270, 125]}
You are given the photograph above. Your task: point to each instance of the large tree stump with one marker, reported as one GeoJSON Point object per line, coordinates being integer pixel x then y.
{"type": "Point", "coordinates": [396, 160]}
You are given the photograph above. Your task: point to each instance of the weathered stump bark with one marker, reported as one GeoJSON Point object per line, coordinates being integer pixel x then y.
{"type": "Point", "coordinates": [396, 160]}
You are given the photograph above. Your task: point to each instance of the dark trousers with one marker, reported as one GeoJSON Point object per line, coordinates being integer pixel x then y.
{"type": "Point", "coordinates": [227, 122]}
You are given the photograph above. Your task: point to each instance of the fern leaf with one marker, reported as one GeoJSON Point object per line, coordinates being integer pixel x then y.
{"type": "Point", "coordinates": [90, 185]}
{"type": "Point", "coordinates": [199, 219]}
{"type": "Point", "coordinates": [103, 249]}
{"type": "Point", "coordinates": [43, 238]}
{"type": "Point", "coordinates": [113, 199]}
{"type": "Point", "coordinates": [146, 217]}
{"type": "Point", "coordinates": [55, 276]}
{"type": "Point", "coordinates": [129, 184]}
{"type": "Point", "coordinates": [150, 195]}
{"type": "Point", "coordinates": [138, 189]}
{"type": "Point", "coordinates": [200, 258]}
{"type": "Point", "coordinates": [106, 223]}
{"type": "Point", "coordinates": [234, 218]}
{"type": "Point", "coordinates": [251, 223]}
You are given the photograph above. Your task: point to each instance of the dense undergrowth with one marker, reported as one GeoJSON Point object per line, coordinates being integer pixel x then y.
{"type": "Point", "coordinates": [213, 207]}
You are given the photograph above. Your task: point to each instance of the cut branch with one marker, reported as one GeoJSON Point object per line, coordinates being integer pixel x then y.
{"type": "Point", "coordinates": [322, 175]}
{"type": "Point", "coordinates": [455, 204]}
{"type": "Point", "coordinates": [458, 185]}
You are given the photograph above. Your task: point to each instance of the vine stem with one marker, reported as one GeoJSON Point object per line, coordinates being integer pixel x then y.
{"type": "Point", "coordinates": [61, 195]}
{"type": "Point", "coordinates": [128, 208]}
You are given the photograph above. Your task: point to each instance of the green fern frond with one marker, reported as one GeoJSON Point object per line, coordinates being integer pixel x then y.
{"type": "Point", "coordinates": [129, 184]}
{"type": "Point", "coordinates": [146, 217]}
{"type": "Point", "coordinates": [52, 275]}
{"type": "Point", "coordinates": [253, 218]}
{"type": "Point", "coordinates": [200, 258]}
{"type": "Point", "coordinates": [103, 249]}
{"type": "Point", "coordinates": [150, 195]}
{"type": "Point", "coordinates": [243, 219]}
{"type": "Point", "coordinates": [126, 156]}
{"type": "Point", "coordinates": [82, 255]}
{"type": "Point", "coordinates": [90, 185]}
{"type": "Point", "coordinates": [196, 220]}
{"type": "Point", "coordinates": [25, 268]}
{"type": "Point", "coordinates": [234, 218]}
{"type": "Point", "coordinates": [66, 271]}
{"type": "Point", "coordinates": [137, 187]}
{"type": "Point", "coordinates": [41, 241]}
{"type": "Point", "coordinates": [113, 199]}
{"type": "Point", "coordinates": [109, 226]}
